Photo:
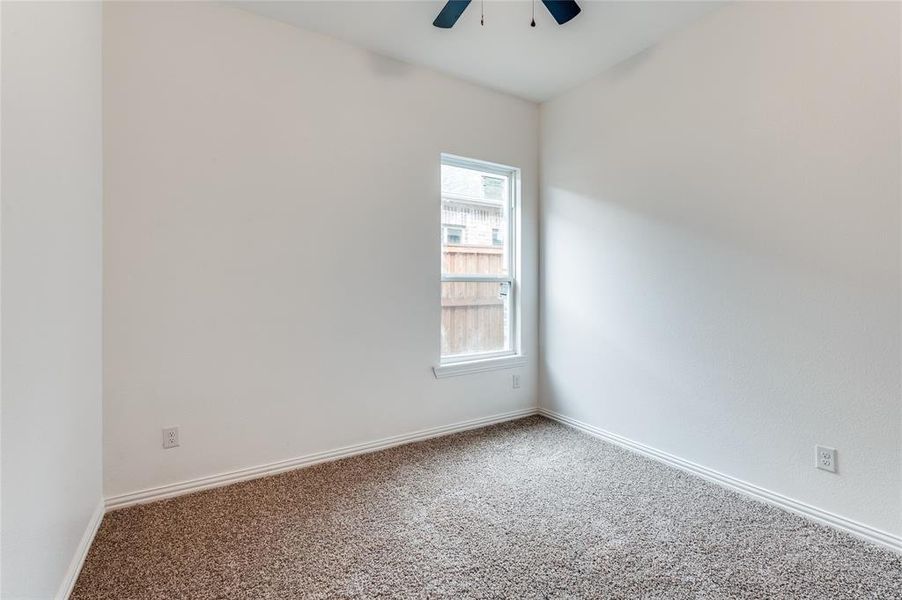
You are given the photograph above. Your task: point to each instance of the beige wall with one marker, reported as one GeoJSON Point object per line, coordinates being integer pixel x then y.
{"type": "Point", "coordinates": [51, 172]}
{"type": "Point", "coordinates": [272, 242]}
{"type": "Point", "coordinates": [720, 251]}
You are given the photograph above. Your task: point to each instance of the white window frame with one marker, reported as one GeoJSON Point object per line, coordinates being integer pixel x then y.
{"type": "Point", "coordinates": [482, 361]}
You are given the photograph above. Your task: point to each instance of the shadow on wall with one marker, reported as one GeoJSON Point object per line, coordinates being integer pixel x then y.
{"type": "Point", "coordinates": [625, 68]}
{"type": "Point", "coordinates": [388, 67]}
{"type": "Point", "coordinates": [676, 326]}
{"type": "Point", "coordinates": [814, 226]}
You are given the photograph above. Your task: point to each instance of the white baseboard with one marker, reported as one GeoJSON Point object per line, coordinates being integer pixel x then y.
{"type": "Point", "coordinates": [81, 552]}
{"type": "Point", "coordinates": [860, 530]}
{"type": "Point", "coordinates": [221, 479]}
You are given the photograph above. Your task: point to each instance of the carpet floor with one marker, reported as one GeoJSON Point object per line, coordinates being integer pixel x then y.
{"type": "Point", "coordinates": [526, 509]}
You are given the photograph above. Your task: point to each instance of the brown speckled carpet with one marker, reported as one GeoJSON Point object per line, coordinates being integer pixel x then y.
{"type": "Point", "coordinates": [528, 509]}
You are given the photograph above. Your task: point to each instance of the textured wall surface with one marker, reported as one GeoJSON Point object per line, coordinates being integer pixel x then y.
{"type": "Point", "coordinates": [272, 241]}
{"type": "Point", "coordinates": [51, 289]}
{"type": "Point", "coordinates": [720, 250]}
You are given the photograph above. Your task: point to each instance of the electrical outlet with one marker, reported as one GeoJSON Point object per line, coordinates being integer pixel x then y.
{"type": "Point", "coordinates": [170, 437]}
{"type": "Point", "coordinates": [825, 458]}
{"type": "Point", "coordinates": [515, 382]}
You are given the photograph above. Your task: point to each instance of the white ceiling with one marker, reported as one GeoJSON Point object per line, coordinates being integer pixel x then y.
{"type": "Point", "coordinates": [506, 54]}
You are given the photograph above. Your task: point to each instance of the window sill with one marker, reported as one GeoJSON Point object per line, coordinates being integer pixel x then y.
{"type": "Point", "coordinates": [478, 366]}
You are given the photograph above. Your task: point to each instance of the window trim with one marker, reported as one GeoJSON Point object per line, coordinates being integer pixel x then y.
{"type": "Point", "coordinates": [460, 364]}
{"type": "Point", "coordinates": [514, 361]}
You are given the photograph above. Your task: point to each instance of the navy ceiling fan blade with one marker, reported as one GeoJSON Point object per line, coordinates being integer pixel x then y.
{"type": "Point", "coordinates": [562, 10]}
{"type": "Point", "coordinates": [450, 13]}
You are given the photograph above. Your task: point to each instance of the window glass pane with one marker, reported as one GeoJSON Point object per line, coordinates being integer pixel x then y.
{"type": "Point", "coordinates": [493, 187]}
{"type": "Point", "coordinates": [474, 222]}
{"type": "Point", "coordinates": [475, 317]}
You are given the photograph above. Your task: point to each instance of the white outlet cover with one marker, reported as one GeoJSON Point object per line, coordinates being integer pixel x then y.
{"type": "Point", "coordinates": [825, 458]}
{"type": "Point", "coordinates": [170, 437]}
{"type": "Point", "coordinates": [516, 381]}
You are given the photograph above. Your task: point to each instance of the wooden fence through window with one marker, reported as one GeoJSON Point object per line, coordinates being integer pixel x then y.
{"type": "Point", "coordinates": [473, 313]}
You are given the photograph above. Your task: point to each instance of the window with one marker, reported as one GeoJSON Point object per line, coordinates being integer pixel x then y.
{"type": "Point", "coordinates": [454, 236]}
{"type": "Point", "coordinates": [478, 279]}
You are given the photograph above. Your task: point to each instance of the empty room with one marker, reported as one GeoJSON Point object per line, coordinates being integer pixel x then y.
{"type": "Point", "coordinates": [457, 299]}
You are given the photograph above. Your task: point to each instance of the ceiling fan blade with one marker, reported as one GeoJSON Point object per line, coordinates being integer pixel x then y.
{"type": "Point", "coordinates": [561, 10]}
{"type": "Point", "coordinates": [450, 13]}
